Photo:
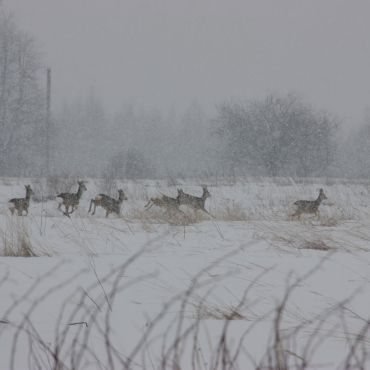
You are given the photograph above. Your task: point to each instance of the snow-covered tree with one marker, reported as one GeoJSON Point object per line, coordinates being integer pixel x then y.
{"type": "Point", "coordinates": [278, 135]}
{"type": "Point", "coordinates": [354, 156]}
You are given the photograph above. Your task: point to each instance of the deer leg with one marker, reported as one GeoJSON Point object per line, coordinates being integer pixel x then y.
{"type": "Point", "coordinates": [149, 205]}
{"type": "Point", "coordinates": [94, 208]}
{"type": "Point", "coordinates": [107, 213]}
{"type": "Point", "coordinates": [204, 210]}
{"type": "Point", "coordinates": [91, 203]}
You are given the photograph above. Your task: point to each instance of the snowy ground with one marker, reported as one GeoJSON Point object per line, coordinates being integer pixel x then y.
{"type": "Point", "coordinates": [251, 243]}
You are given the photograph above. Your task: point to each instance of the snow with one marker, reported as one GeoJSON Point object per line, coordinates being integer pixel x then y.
{"type": "Point", "coordinates": [263, 244]}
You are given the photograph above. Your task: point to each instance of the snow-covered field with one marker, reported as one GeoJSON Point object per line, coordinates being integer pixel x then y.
{"type": "Point", "coordinates": [142, 293]}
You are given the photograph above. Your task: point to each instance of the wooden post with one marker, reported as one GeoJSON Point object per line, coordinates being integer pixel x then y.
{"type": "Point", "coordinates": [48, 98]}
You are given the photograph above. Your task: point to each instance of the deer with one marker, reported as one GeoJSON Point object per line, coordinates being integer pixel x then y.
{"type": "Point", "coordinates": [21, 204]}
{"type": "Point", "coordinates": [196, 203]}
{"type": "Point", "coordinates": [71, 199]}
{"type": "Point", "coordinates": [169, 203]}
{"type": "Point", "coordinates": [309, 206]}
{"type": "Point", "coordinates": [110, 204]}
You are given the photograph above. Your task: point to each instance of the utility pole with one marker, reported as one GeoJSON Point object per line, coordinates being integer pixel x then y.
{"type": "Point", "coordinates": [48, 97]}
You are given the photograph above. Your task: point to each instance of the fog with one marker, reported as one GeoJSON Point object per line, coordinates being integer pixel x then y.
{"type": "Point", "coordinates": [152, 76]}
{"type": "Point", "coordinates": [167, 53]}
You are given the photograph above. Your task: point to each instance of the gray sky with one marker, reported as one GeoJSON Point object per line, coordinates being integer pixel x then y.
{"type": "Point", "coordinates": [168, 53]}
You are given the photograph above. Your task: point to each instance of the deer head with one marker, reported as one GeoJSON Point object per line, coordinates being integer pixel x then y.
{"type": "Point", "coordinates": [206, 193]}
{"type": "Point", "coordinates": [322, 195]}
{"type": "Point", "coordinates": [29, 190]}
{"type": "Point", "coordinates": [82, 186]}
{"type": "Point", "coordinates": [121, 195]}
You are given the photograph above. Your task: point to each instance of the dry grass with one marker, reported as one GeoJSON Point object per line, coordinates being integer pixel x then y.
{"type": "Point", "coordinates": [147, 227]}
{"type": "Point", "coordinates": [231, 211]}
{"type": "Point", "coordinates": [17, 241]}
{"type": "Point", "coordinates": [87, 336]}
{"type": "Point", "coordinates": [154, 215]}
{"type": "Point", "coordinates": [215, 312]}
{"type": "Point", "coordinates": [21, 247]}
{"type": "Point", "coordinates": [194, 217]}
{"type": "Point", "coordinates": [329, 222]}
{"type": "Point", "coordinates": [319, 245]}
{"type": "Point", "coordinates": [159, 216]}
{"type": "Point", "coordinates": [287, 235]}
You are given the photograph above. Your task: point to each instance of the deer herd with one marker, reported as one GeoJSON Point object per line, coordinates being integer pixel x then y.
{"type": "Point", "coordinates": [70, 201]}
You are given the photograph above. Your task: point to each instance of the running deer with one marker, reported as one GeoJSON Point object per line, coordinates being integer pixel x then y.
{"type": "Point", "coordinates": [197, 203]}
{"type": "Point", "coordinates": [21, 204]}
{"type": "Point", "coordinates": [170, 204]}
{"type": "Point", "coordinates": [71, 199]}
{"type": "Point", "coordinates": [309, 206]}
{"type": "Point", "coordinates": [110, 204]}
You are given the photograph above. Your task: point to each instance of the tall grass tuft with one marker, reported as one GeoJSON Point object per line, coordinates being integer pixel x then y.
{"type": "Point", "coordinates": [16, 240]}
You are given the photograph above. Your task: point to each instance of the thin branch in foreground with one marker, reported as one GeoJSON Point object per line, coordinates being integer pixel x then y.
{"type": "Point", "coordinates": [78, 323]}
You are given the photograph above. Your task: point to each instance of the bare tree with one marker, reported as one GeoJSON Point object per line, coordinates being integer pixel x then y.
{"type": "Point", "coordinates": [21, 98]}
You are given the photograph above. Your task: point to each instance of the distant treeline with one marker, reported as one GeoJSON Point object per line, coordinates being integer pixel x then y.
{"type": "Point", "coordinates": [279, 135]}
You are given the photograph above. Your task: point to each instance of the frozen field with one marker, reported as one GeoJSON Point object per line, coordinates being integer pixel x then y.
{"type": "Point", "coordinates": [247, 288]}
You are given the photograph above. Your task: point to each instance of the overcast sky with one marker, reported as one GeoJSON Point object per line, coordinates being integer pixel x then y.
{"type": "Point", "coordinates": [168, 53]}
